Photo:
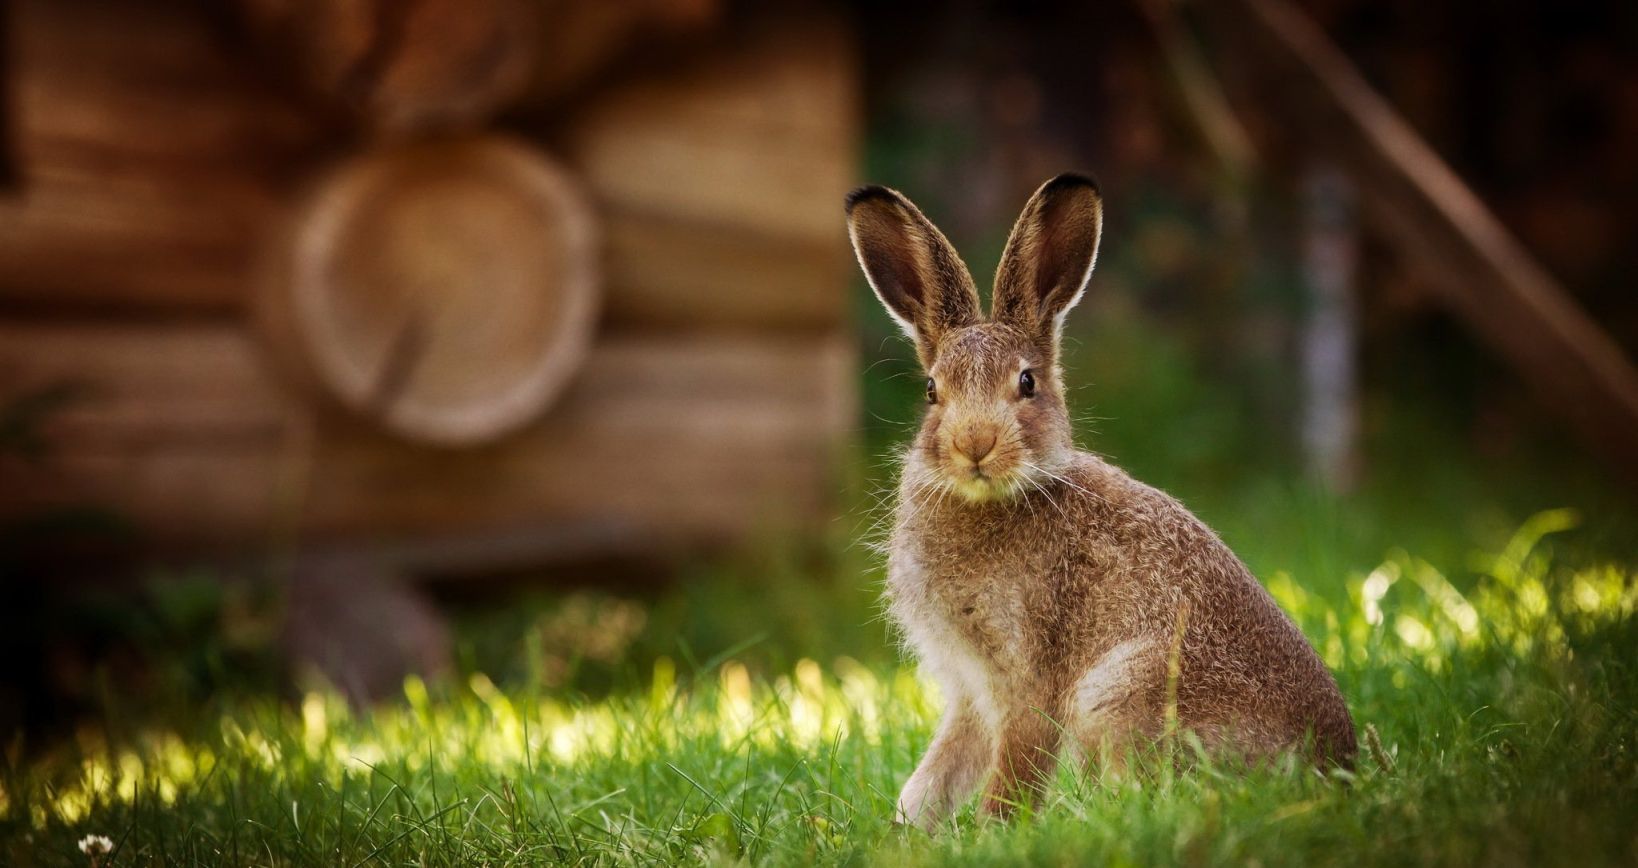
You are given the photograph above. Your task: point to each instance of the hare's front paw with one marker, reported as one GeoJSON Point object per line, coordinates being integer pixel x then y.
{"type": "Point", "coordinates": [954, 766]}
{"type": "Point", "coordinates": [922, 801]}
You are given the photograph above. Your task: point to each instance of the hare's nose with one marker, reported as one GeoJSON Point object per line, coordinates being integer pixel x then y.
{"type": "Point", "coordinates": [975, 446]}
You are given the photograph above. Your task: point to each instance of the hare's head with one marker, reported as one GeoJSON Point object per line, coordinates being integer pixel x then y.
{"type": "Point", "coordinates": [996, 419]}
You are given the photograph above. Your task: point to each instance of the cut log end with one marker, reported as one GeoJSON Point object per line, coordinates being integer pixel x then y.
{"type": "Point", "coordinates": [445, 290]}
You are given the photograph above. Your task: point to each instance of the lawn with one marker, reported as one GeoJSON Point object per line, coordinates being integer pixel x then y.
{"type": "Point", "coordinates": [1506, 716]}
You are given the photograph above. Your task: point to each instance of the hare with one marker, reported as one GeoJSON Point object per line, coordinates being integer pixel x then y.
{"type": "Point", "coordinates": [1059, 603]}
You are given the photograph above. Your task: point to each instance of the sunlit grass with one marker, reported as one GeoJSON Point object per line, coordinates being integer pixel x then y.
{"type": "Point", "coordinates": [1506, 717]}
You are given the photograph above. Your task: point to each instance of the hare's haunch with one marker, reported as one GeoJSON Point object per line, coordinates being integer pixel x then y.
{"type": "Point", "coordinates": [1059, 603]}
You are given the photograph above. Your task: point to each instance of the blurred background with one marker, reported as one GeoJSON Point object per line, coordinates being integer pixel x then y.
{"type": "Point", "coordinates": [347, 339]}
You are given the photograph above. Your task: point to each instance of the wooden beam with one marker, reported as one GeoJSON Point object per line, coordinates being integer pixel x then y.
{"type": "Point", "coordinates": [185, 430]}
{"type": "Point", "coordinates": [1482, 273]}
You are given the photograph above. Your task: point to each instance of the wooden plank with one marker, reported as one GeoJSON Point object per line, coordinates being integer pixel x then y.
{"type": "Point", "coordinates": [704, 437]}
{"type": "Point", "coordinates": [1482, 272]}
{"type": "Point", "coordinates": [141, 385]}
{"type": "Point", "coordinates": [698, 438]}
{"type": "Point", "coordinates": [579, 41]}
{"type": "Point", "coordinates": [148, 159]}
{"type": "Point", "coordinates": [762, 136]}
{"type": "Point", "coordinates": [668, 272]}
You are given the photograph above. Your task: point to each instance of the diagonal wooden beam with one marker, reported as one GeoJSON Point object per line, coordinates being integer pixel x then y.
{"type": "Point", "coordinates": [1482, 273]}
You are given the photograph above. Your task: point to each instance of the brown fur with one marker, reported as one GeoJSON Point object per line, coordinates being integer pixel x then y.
{"type": "Point", "coordinates": [1044, 589]}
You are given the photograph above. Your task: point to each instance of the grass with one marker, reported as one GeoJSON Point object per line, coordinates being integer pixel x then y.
{"type": "Point", "coordinates": [1507, 714]}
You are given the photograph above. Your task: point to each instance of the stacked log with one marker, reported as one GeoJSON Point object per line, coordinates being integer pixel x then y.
{"type": "Point", "coordinates": [268, 334]}
{"type": "Point", "coordinates": [188, 430]}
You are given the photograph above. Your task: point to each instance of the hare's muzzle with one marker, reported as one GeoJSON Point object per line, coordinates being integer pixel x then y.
{"type": "Point", "coordinates": [973, 447]}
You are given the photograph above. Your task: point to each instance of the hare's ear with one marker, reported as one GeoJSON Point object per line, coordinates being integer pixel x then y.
{"type": "Point", "coordinates": [1049, 257]}
{"type": "Point", "coordinates": [911, 266]}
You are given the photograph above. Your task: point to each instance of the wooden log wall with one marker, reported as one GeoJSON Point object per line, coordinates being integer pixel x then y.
{"type": "Point", "coordinates": [186, 428]}
{"type": "Point", "coordinates": [161, 176]}
{"type": "Point", "coordinates": [149, 162]}
{"type": "Point", "coordinates": [717, 184]}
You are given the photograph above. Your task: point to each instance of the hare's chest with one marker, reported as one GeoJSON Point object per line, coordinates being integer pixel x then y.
{"type": "Point", "coordinates": [966, 630]}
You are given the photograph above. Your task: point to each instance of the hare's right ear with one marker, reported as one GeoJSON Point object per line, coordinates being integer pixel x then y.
{"type": "Point", "coordinates": [911, 266]}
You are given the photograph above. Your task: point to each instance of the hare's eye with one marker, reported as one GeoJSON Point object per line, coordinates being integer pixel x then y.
{"type": "Point", "coordinates": [932, 392]}
{"type": "Point", "coordinates": [1026, 384]}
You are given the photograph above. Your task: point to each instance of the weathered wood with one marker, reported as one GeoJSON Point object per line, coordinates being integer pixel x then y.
{"type": "Point", "coordinates": [672, 272]}
{"type": "Point", "coordinates": [1482, 272]}
{"type": "Point", "coordinates": [446, 290]}
{"type": "Point", "coordinates": [147, 159]}
{"type": "Point", "coordinates": [404, 66]}
{"type": "Point", "coordinates": [761, 136]}
{"type": "Point", "coordinates": [718, 183]}
{"type": "Point", "coordinates": [185, 430]}
{"type": "Point", "coordinates": [154, 170]}
{"type": "Point", "coordinates": [578, 39]}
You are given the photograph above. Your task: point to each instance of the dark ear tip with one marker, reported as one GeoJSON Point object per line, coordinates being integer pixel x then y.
{"type": "Point", "coordinates": [1072, 180]}
{"type": "Point", "coordinates": [870, 192]}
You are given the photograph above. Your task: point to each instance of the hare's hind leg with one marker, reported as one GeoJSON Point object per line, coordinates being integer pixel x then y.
{"type": "Point", "coordinates": [1118, 702]}
{"type": "Point", "coordinates": [955, 764]}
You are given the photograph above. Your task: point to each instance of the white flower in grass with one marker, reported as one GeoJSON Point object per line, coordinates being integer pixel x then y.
{"type": "Point", "coordinates": [96, 845]}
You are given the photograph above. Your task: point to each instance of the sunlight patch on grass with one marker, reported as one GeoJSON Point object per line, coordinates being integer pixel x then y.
{"type": "Point", "coordinates": [1489, 719]}
{"type": "Point", "coordinates": [485, 727]}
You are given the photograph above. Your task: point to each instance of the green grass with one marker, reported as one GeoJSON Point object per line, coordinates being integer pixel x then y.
{"type": "Point", "coordinates": [1507, 710]}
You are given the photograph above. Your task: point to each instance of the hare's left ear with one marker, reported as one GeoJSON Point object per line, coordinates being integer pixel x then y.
{"type": "Point", "coordinates": [912, 268]}
{"type": "Point", "coordinates": [1049, 257]}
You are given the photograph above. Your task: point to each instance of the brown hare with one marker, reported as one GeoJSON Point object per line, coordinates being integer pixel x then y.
{"type": "Point", "coordinates": [1059, 603]}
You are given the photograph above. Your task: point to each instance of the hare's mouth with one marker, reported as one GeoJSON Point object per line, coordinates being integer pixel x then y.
{"type": "Point", "coordinates": [979, 484]}
{"type": "Point", "coordinates": [994, 476]}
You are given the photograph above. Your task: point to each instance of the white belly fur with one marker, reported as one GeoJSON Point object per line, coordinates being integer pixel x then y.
{"type": "Point", "coordinates": [944, 654]}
